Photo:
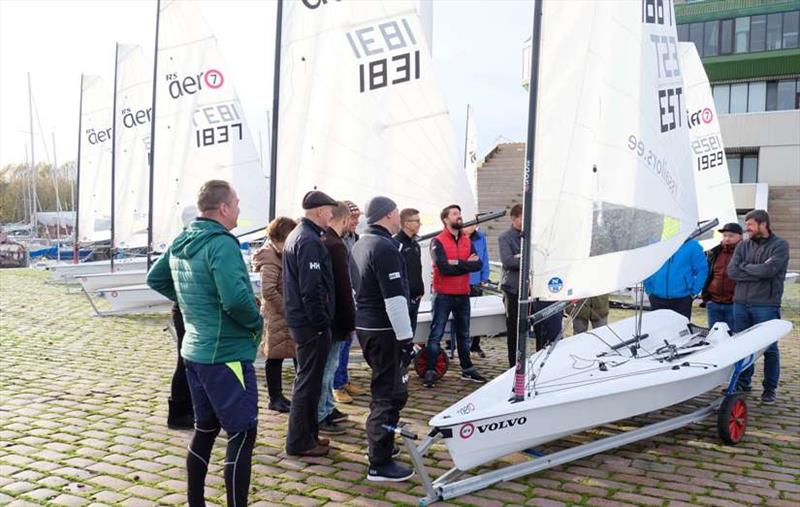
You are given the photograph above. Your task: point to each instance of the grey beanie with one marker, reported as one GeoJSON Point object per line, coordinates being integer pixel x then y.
{"type": "Point", "coordinates": [378, 207]}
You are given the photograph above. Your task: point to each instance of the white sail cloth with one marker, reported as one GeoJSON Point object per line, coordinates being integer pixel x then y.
{"type": "Point", "coordinates": [471, 153]}
{"type": "Point", "coordinates": [361, 113]}
{"type": "Point", "coordinates": [613, 192]}
{"type": "Point", "coordinates": [132, 138]}
{"type": "Point", "coordinates": [711, 178]}
{"type": "Point", "coordinates": [200, 131]}
{"type": "Point", "coordinates": [94, 195]}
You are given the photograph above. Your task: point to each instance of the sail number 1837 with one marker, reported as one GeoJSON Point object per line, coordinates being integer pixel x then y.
{"type": "Point", "coordinates": [218, 135]}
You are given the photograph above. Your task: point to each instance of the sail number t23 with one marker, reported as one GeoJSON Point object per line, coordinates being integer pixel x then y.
{"type": "Point", "coordinates": [378, 48]}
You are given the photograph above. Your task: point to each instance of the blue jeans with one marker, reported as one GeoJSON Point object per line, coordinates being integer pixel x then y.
{"type": "Point", "coordinates": [720, 312]}
{"type": "Point", "coordinates": [442, 306]}
{"type": "Point", "coordinates": [326, 405]}
{"type": "Point", "coordinates": [340, 378]}
{"type": "Point", "coordinates": [746, 316]}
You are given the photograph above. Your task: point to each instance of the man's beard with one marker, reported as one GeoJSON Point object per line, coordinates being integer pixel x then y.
{"type": "Point", "coordinates": [458, 225]}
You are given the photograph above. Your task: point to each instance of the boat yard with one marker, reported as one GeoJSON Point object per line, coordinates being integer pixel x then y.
{"type": "Point", "coordinates": [82, 422]}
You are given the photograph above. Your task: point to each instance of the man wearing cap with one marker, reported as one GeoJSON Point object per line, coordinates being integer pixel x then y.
{"type": "Point", "coordinates": [383, 327]}
{"type": "Point", "coordinates": [343, 389]}
{"type": "Point", "coordinates": [454, 258]}
{"type": "Point", "coordinates": [718, 290]}
{"type": "Point", "coordinates": [309, 298]}
{"type": "Point", "coordinates": [759, 266]}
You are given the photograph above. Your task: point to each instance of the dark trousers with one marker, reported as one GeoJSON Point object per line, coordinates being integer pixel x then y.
{"type": "Point", "coordinates": [511, 301]}
{"type": "Point", "coordinates": [389, 389]}
{"type": "Point", "coordinates": [180, 399]}
{"type": "Point", "coordinates": [442, 306]}
{"type": "Point", "coordinates": [413, 311]}
{"type": "Point", "coordinates": [746, 316]}
{"type": "Point", "coordinates": [312, 353]}
{"type": "Point", "coordinates": [679, 305]}
{"type": "Point", "coordinates": [547, 330]}
{"type": "Point", "coordinates": [720, 312]}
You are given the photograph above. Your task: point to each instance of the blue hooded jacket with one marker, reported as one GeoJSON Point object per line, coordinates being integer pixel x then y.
{"type": "Point", "coordinates": [684, 274]}
{"type": "Point", "coordinates": [479, 244]}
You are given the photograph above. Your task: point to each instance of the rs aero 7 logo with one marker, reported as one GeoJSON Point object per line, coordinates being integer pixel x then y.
{"type": "Point", "coordinates": [189, 85]}
{"type": "Point", "coordinates": [705, 115]}
{"type": "Point", "coordinates": [469, 429]}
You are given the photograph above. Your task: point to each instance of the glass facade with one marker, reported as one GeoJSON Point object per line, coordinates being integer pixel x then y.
{"type": "Point", "coordinates": [743, 167]}
{"type": "Point", "coordinates": [757, 96]}
{"type": "Point", "coordinates": [746, 34]}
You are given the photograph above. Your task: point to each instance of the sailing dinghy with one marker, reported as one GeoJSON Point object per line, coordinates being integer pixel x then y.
{"type": "Point", "coordinates": [608, 196]}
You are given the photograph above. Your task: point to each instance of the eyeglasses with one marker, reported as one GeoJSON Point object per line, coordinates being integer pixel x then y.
{"type": "Point", "coordinates": [415, 220]}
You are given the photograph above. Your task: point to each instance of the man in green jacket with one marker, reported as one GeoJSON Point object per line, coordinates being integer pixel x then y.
{"type": "Point", "coordinates": [203, 271]}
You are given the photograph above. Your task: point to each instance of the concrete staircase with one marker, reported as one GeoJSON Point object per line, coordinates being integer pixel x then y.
{"type": "Point", "coordinates": [500, 187]}
{"type": "Point", "coordinates": [784, 212]}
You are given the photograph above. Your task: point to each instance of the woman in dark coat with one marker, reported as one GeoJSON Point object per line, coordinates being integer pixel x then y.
{"type": "Point", "coordinates": [277, 344]}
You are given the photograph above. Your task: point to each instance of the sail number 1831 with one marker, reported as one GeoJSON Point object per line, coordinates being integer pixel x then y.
{"type": "Point", "coordinates": [378, 48]}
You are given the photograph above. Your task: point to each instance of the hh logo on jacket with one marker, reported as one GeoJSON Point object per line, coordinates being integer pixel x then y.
{"type": "Point", "coordinates": [313, 265]}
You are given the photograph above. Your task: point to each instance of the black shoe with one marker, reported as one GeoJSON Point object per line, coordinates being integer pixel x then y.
{"type": "Point", "coordinates": [474, 376]}
{"type": "Point", "coordinates": [389, 472]}
{"type": "Point", "coordinates": [281, 405]}
{"type": "Point", "coordinates": [338, 416]}
{"type": "Point", "coordinates": [395, 452]}
{"type": "Point", "coordinates": [480, 353]}
{"type": "Point", "coordinates": [743, 388]}
{"type": "Point", "coordinates": [430, 378]}
{"type": "Point", "coordinates": [768, 397]}
{"type": "Point", "coordinates": [183, 422]}
{"type": "Point", "coordinates": [331, 428]}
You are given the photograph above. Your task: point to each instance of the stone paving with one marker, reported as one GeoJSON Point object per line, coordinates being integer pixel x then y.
{"type": "Point", "coordinates": [83, 409]}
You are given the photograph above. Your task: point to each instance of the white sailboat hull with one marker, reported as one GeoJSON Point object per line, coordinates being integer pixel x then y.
{"type": "Point", "coordinates": [93, 282]}
{"type": "Point", "coordinates": [574, 394]}
{"type": "Point", "coordinates": [67, 272]}
{"type": "Point", "coordinates": [487, 318]}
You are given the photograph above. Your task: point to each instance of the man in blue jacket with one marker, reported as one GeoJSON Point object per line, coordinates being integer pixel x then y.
{"type": "Point", "coordinates": [476, 278]}
{"type": "Point", "coordinates": [675, 285]}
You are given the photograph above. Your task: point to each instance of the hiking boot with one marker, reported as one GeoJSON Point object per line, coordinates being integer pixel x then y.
{"type": "Point", "coordinates": [331, 428]}
{"type": "Point", "coordinates": [430, 378]}
{"type": "Point", "coordinates": [281, 405]}
{"type": "Point", "coordinates": [354, 390]}
{"type": "Point", "coordinates": [389, 472]}
{"type": "Point", "coordinates": [768, 396]}
{"type": "Point", "coordinates": [338, 416]}
{"type": "Point", "coordinates": [183, 422]}
{"type": "Point", "coordinates": [474, 376]}
{"type": "Point", "coordinates": [317, 450]}
{"type": "Point", "coordinates": [342, 396]}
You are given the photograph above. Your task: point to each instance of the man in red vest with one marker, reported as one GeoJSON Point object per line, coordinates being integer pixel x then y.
{"type": "Point", "coordinates": [454, 258]}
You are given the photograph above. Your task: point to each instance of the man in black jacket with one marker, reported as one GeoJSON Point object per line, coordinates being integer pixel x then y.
{"type": "Point", "coordinates": [759, 266]}
{"type": "Point", "coordinates": [383, 327]}
{"type": "Point", "coordinates": [308, 293]}
{"type": "Point", "coordinates": [343, 325]}
{"type": "Point", "coordinates": [509, 243]}
{"type": "Point", "coordinates": [409, 227]}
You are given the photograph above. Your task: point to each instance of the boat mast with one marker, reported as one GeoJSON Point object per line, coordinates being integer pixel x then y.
{"type": "Point", "coordinates": [276, 91]}
{"type": "Point", "coordinates": [114, 152]}
{"type": "Point", "coordinates": [527, 211]}
{"type": "Point", "coordinates": [34, 198]}
{"type": "Point", "coordinates": [75, 245]}
{"type": "Point", "coordinates": [466, 138]}
{"type": "Point", "coordinates": [54, 173]}
{"type": "Point", "coordinates": [152, 145]}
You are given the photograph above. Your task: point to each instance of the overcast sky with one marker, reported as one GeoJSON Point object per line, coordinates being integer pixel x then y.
{"type": "Point", "coordinates": [477, 53]}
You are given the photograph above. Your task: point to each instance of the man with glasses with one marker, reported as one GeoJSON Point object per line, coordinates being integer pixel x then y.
{"type": "Point", "coordinates": [410, 224]}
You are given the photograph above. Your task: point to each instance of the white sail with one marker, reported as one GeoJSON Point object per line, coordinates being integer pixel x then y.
{"type": "Point", "coordinates": [711, 178]}
{"type": "Point", "coordinates": [613, 190]}
{"type": "Point", "coordinates": [200, 131]}
{"type": "Point", "coordinates": [132, 168]}
{"type": "Point", "coordinates": [94, 196]}
{"type": "Point", "coordinates": [360, 111]}
{"type": "Point", "coordinates": [471, 153]}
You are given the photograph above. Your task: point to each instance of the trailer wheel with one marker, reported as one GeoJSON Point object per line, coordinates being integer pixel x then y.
{"type": "Point", "coordinates": [421, 363]}
{"type": "Point", "coordinates": [732, 419]}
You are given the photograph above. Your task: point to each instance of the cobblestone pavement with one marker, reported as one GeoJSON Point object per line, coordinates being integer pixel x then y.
{"type": "Point", "coordinates": [83, 409]}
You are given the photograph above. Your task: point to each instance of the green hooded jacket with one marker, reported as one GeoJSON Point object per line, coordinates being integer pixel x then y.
{"type": "Point", "coordinates": [204, 272]}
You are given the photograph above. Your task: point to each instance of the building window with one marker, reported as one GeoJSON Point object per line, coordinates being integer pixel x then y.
{"type": "Point", "coordinates": [758, 33]}
{"type": "Point", "coordinates": [743, 167]}
{"type": "Point", "coordinates": [791, 29]}
{"type": "Point", "coordinates": [742, 34]}
{"type": "Point", "coordinates": [786, 94]}
{"type": "Point", "coordinates": [738, 98]}
{"type": "Point", "coordinates": [774, 31]}
{"type": "Point", "coordinates": [696, 36]}
{"type": "Point", "coordinates": [726, 37]}
{"type": "Point", "coordinates": [757, 97]}
{"type": "Point", "coordinates": [683, 33]}
{"type": "Point", "coordinates": [711, 38]}
{"type": "Point", "coordinates": [722, 95]}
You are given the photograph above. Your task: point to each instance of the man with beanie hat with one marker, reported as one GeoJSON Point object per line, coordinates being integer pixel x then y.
{"type": "Point", "coordinates": [383, 327]}
{"type": "Point", "coordinates": [309, 297]}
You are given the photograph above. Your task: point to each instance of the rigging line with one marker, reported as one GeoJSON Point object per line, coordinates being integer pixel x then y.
{"type": "Point", "coordinates": [611, 377]}
{"type": "Point", "coordinates": [552, 347]}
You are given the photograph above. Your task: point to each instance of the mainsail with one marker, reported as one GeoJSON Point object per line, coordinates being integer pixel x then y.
{"type": "Point", "coordinates": [471, 153]}
{"type": "Point", "coordinates": [613, 191]}
{"type": "Point", "coordinates": [360, 111]}
{"type": "Point", "coordinates": [711, 178]}
{"type": "Point", "coordinates": [94, 195]}
{"type": "Point", "coordinates": [200, 129]}
{"type": "Point", "coordinates": [131, 169]}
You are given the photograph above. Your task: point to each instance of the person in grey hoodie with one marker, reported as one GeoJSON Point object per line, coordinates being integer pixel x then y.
{"type": "Point", "coordinates": [759, 266]}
